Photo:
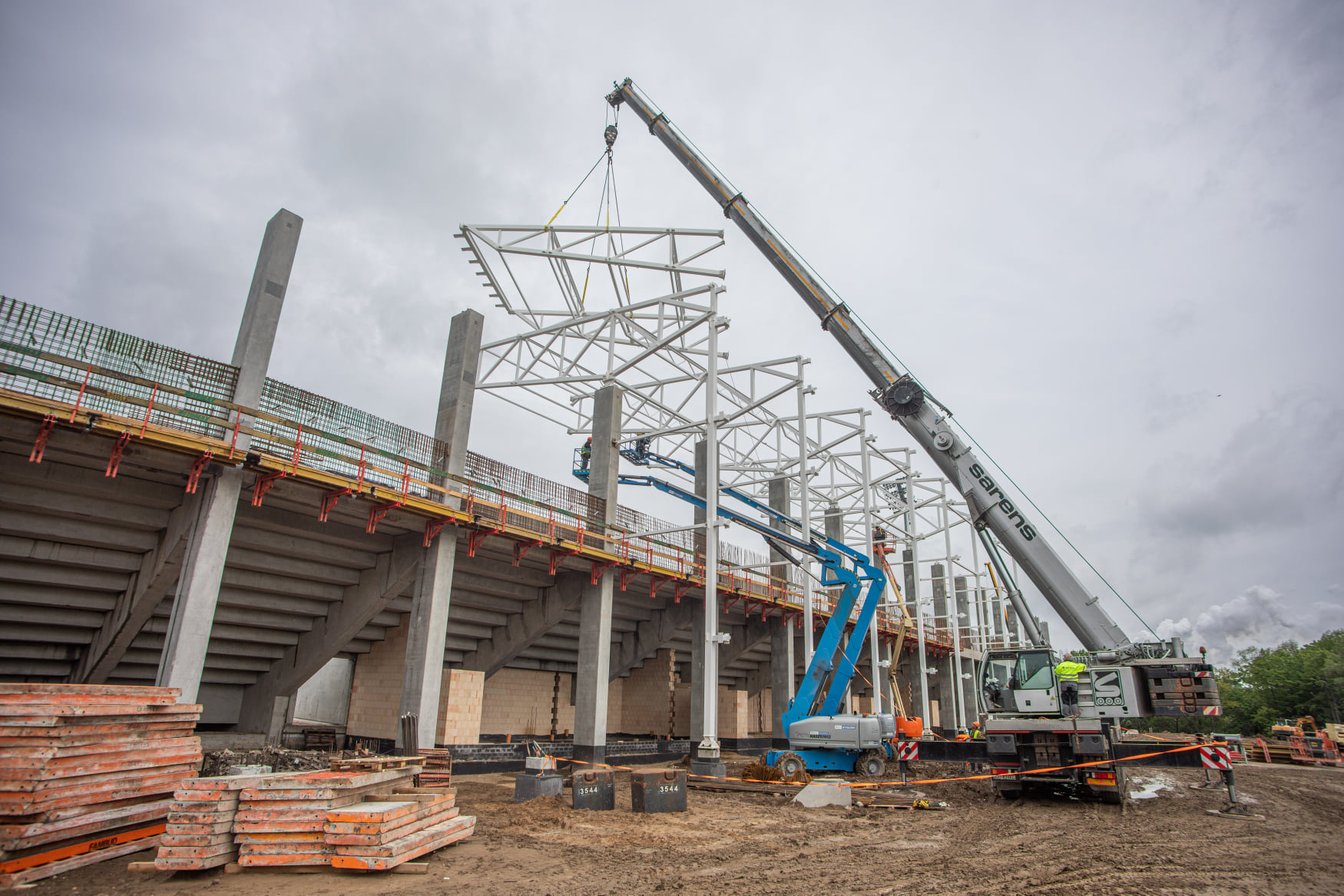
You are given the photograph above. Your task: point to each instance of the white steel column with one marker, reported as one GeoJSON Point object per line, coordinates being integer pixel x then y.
{"type": "Point", "coordinates": [709, 745]}
{"type": "Point", "coordinates": [958, 689]}
{"type": "Point", "coordinates": [804, 514]}
{"type": "Point", "coordinates": [874, 648]}
{"type": "Point", "coordinates": [911, 523]}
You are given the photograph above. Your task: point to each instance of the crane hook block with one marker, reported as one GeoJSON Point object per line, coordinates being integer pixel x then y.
{"type": "Point", "coordinates": [902, 398]}
{"type": "Point", "coordinates": [610, 135]}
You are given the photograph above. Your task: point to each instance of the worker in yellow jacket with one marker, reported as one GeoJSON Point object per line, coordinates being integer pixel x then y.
{"type": "Point", "coordinates": [1067, 673]}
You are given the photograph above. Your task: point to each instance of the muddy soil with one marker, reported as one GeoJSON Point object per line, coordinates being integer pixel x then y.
{"type": "Point", "coordinates": [1163, 842]}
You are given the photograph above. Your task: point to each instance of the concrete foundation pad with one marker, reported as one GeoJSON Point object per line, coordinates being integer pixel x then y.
{"type": "Point", "coordinates": [709, 768]}
{"type": "Point", "coordinates": [825, 792]}
{"type": "Point", "coordinates": [530, 787]}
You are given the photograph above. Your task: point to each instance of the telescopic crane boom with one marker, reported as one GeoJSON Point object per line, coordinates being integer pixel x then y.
{"type": "Point", "coordinates": [903, 397]}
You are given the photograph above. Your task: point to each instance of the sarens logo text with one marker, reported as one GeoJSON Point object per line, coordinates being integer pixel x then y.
{"type": "Point", "coordinates": [1010, 510]}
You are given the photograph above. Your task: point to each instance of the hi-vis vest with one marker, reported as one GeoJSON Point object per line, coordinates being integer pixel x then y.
{"type": "Point", "coordinates": [1068, 670]}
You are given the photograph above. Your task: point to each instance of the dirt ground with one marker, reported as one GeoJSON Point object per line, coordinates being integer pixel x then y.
{"type": "Point", "coordinates": [1161, 843]}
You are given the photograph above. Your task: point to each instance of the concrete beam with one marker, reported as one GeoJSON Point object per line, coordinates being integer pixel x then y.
{"type": "Point", "coordinates": [391, 574]}
{"type": "Point", "coordinates": [158, 571]}
{"type": "Point", "coordinates": [744, 638]}
{"type": "Point", "coordinates": [58, 553]}
{"type": "Point", "coordinates": [525, 628]}
{"type": "Point", "coordinates": [643, 644]}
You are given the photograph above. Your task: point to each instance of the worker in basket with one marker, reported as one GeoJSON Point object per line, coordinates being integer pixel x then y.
{"type": "Point", "coordinates": [585, 453]}
{"type": "Point", "coordinates": [1067, 672]}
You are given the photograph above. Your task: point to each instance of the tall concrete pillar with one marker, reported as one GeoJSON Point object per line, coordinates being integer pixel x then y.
{"type": "Point", "coordinates": [193, 613]}
{"type": "Point", "coordinates": [422, 678]}
{"type": "Point", "coordinates": [908, 568]}
{"type": "Point", "coordinates": [782, 683]}
{"type": "Point", "coordinates": [594, 672]}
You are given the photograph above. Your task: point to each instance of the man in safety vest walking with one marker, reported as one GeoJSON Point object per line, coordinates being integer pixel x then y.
{"type": "Point", "coordinates": [1067, 673]}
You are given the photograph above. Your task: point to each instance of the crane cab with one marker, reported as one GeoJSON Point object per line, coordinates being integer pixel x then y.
{"type": "Point", "coordinates": [1020, 681]}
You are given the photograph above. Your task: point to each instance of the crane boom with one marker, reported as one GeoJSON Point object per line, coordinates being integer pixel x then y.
{"type": "Point", "coordinates": [899, 394]}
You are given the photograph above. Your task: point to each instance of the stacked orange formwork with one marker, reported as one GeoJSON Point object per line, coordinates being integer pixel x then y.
{"type": "Point", "coordinates": [86, 772]}
{"type": "Point", "coordinates": [199, 833]}
{"type": "Point", "coordinates": [377, 836]}
{"type": "Point", "coordinates": [280, 821]}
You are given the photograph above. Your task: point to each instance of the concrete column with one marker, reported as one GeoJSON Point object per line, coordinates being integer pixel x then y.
{"type": "Point", "coordinates": [193, 612]}
{"type": "Point", "coordinates": [593, 679]}
{"type": "Point", "coordinates": [422, 679]}
{"type": "Point", "coordinates": [782, 684]}
{"type": "Point", "coordinates": [908, 568]}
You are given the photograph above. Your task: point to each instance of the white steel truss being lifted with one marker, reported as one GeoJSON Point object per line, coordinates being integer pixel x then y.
{"type": "Point", "coordinates": [638, 307]}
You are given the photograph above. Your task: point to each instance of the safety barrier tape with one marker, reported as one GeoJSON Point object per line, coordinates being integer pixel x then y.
{"type": "Point", "coordinates": [922, 782]}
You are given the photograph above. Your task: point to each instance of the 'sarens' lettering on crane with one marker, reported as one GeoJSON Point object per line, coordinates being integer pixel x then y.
{"type": "Point", "coordinates": [1010, 510]}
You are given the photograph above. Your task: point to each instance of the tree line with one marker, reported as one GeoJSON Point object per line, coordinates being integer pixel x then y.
{"type": "Point", "coordinates": [1263, 685]}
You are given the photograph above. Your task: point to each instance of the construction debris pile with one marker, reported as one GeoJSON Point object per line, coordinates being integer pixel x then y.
{"type": "Point", "coordinates": [87, 773]}
{"type": "Point", "coordinates": [362, 814]}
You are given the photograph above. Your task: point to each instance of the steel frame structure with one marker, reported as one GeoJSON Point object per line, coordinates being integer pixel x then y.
{"type": "Point", "coordinates": [649, 322]}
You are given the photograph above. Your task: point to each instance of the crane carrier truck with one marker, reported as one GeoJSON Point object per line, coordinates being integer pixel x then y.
{"type": "Point", "coordinates": [1031, 738]}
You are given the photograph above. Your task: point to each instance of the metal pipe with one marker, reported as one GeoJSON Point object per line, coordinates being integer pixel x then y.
{"type": "Point", "coordinates": [804, 514]}
{"type": "Point", "coordinates": [873, 646]}
{"type": "Point", "coordinates": [709, 745]}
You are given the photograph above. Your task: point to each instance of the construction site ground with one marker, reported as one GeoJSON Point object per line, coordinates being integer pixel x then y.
{"type": "Point", "coordinates": [1163, 842]}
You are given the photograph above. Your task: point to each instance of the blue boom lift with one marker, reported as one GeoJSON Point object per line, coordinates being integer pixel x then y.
{"type": "Point", "coordinates": [820, 737]}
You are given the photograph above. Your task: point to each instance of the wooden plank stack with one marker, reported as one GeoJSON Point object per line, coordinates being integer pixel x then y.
{"type": "Point", "coordinates": [377, 836]}
{"type": "Point", "coordinates": [364, 814]}
{"type": "Point", "coordinates": [86, 772]}
{"type": "Point", "coordinates": [438, 768]}
{"type": "Point", "coordinates": [280, 821]}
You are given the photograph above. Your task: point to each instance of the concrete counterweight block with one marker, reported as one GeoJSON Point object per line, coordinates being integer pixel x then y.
{"type": "Point", "coordinates": [540, 779]}
{"type": "Point", "coordinates": [658, 790]}
{"type": "Point", "coordinates": [594, 789]}
{"type": "Point", "coordinates": [533, 786]}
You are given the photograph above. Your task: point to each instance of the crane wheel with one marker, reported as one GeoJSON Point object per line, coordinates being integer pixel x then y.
{"type": "Point", "coordinates": [791, 766]}
{"type": "Point", "coordinates": [872, 764]}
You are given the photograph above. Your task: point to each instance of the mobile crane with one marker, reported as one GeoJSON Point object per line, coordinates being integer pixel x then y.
{"type": "Point", "coordinates": [820, 736]}
{"type": "Point", "coordinates": [1027, 727]}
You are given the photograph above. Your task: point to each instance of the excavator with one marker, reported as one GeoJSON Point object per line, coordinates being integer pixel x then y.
{"type": "Point", "coordinates": [1031, 738]}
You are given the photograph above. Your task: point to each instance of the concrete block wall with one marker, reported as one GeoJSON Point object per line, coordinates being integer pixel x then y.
{"type": "Point", "coordinates": [733, 718]}
{"type": "Point", "coordinates": [645, 695]}
{"type": "Point", "coordinates": [460, 704]}
{"type": "Point", "coordinates": [683, 720]}
{"type": "Point", "coordinates": [518, 701]}
{"type": "Point", "coordinates": [758, 712]}
{"type": "Point", "coordinates": [375, 692]}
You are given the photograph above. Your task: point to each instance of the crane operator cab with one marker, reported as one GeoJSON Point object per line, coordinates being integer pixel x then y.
{"type": "Point", "coordinates": [1020, 681]}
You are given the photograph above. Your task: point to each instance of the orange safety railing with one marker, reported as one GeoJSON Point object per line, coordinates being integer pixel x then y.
{"type": "Point", "coordinates": [144, 390]}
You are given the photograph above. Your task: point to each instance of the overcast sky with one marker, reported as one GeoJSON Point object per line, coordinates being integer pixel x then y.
{"type": "Point", "coordinates": [1109, 236]}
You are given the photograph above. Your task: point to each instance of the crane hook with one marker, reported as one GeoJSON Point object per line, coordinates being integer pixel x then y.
{"type": "Point", "coordinates": [610, 136]}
